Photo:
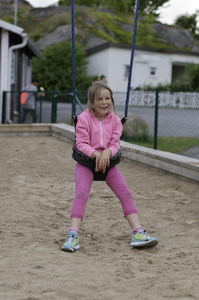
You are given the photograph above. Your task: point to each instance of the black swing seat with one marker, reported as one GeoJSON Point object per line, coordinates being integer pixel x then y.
{"type": "Point", "coordinates": [90, 162]}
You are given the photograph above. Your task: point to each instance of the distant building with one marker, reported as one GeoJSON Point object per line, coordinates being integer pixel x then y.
{"type": "Point", "coordinates": [16, 52]}
{"type": "Point", "coordinates": [150, 67]}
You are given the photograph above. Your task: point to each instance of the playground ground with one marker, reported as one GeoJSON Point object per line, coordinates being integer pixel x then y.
{"type": "Point", "coordinates": [37, 190]}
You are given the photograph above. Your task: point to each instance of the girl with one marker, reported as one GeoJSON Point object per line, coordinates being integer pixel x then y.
{"type": "Point", "coordinates": [98, 134]}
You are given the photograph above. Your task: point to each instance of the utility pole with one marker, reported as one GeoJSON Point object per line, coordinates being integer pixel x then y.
{"type": "Point", "coordinates": [15, 13]}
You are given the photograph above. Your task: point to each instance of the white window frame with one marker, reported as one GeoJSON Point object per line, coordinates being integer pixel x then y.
{"type": "Point", "coordinates": [153, 71]}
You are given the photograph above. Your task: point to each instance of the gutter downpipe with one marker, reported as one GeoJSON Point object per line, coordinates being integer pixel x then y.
{"type": "Point", "coordinates": [11, 49]}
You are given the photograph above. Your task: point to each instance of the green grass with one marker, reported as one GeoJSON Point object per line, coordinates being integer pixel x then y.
{"type": "Point", "coordinates": [168, 144]}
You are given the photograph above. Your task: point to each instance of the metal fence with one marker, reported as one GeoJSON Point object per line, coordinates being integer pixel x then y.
{"type": "Point", "coordinates": [173, 119]}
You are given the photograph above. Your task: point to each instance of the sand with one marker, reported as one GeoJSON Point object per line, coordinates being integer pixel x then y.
{"type": "Point", "coordinates": [37, 189]}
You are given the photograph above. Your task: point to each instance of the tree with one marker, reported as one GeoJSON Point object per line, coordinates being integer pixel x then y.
{"type": "Point", "coordinates": [55, 70]}
{"type": "Point", "coordinates": [150, 6]}
{"type": "Point", "coordinates": [189, 22]}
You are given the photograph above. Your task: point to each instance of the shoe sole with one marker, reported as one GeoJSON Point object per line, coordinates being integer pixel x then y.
{"type": "Point", "coordinates": [144, 244]}
{"type": "Point", "coordinates": [70, 249]}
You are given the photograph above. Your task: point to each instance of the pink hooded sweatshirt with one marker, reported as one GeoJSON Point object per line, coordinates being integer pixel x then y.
{"type": "Point", "coordinates": [94, 135]}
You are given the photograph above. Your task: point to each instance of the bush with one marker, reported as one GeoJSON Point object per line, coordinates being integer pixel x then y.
{"type": "Point", "coordinates": [55, 70]}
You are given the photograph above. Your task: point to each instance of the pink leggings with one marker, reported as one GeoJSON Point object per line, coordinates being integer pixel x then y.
{"type": "Point", "coordinates": [114, 179]}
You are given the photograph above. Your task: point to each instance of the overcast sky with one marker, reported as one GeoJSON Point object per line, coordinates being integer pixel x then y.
{"type": "Point", "coordinates": [169, 13]}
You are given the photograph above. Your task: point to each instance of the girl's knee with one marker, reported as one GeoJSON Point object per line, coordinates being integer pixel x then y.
{"type": "Point", "coordinates": [82, 194]}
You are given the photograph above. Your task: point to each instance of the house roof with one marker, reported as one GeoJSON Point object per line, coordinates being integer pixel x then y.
{"type": "Point", "coordinates": [34, 49]}
{"type": "Point", "coordinates": [19, 31]}
{"type": "Point", "coordinates": [108, 45]}
{"type": "Point", "coordinates": [10, 27]}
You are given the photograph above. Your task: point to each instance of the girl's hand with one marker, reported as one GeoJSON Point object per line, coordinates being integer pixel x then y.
{"type": "Point", "coordinates": [96, 155]}
{"type": "Point", "coordinates": [104, 160]}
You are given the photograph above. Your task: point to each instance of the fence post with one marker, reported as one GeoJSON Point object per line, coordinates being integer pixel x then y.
{"type": "Point", "coordinates": [19, 116]}
{"type": "Point", "coordinates": [40, 109]}
{"type": "Point", "coordinates": [35, 115]}
{"type": "Point", "coordinates": [156, 119]}
{"type": "Point", "coordinates": [4, 108]}
{"type": "Point", "coordinates": [54, 109]}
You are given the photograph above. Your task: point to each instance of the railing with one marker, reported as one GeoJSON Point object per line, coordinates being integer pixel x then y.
{"type": "Point", "coordinates": [165, 99]}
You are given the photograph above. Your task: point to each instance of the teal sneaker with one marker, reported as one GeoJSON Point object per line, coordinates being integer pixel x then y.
{"type": "Point", "coordinates": [72, 244]}
{"type": "Point", "coordinates": [142, 239]}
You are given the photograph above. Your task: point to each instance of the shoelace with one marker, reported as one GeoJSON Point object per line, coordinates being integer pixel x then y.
{"type": "Point", "coordinates": [71, 238]}
{"type": "Point", "coordinates": [143, 234]}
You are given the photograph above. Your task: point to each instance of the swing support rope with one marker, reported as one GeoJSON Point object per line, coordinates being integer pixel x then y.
{"type": "Point", "coordinates": [73, 61]}
{"type": "Point", "coordinates": [131, 63]}
{"type": "Point", "coordinates": [130, 67]}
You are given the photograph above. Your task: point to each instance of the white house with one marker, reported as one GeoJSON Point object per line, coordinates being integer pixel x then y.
{"type": "Point", "coordinates": [16, 51]}
{"type": "Point", "coordinates": [150, 67]}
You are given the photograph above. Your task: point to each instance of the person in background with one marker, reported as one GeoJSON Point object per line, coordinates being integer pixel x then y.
{"type": "Point", "coordinates": [103, 78]}
{"type": "Point", "coordinates": [29, 107]}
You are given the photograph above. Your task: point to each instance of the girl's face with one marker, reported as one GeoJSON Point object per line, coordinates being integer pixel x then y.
{"type": "Point", "coordinates": [102, 104]}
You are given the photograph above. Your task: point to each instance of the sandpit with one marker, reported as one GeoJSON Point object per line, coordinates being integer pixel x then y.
{"type": "Point", "coordinates": [37, 189]}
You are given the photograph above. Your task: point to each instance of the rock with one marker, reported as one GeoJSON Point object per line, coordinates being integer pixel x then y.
{"type": "Point", "coordinates": [176, 37]}
{"type": "Point", "coordinates": [46, 12]}
{"type": "Point", "coordinates": [173, 36]}
{"type": "Point", "coordinates": [59, 35]}
{"type": "Point", "coordinates": [135, 125]}
{"type": "Point", "coordinates": [179, 38]}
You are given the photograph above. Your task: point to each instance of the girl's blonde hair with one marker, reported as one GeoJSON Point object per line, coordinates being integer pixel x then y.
{"type": "Point", "coordinates": [94, 92]}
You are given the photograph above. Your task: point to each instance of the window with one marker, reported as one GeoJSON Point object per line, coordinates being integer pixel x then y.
{"type": "Point", "coordinates": [152, 71]}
